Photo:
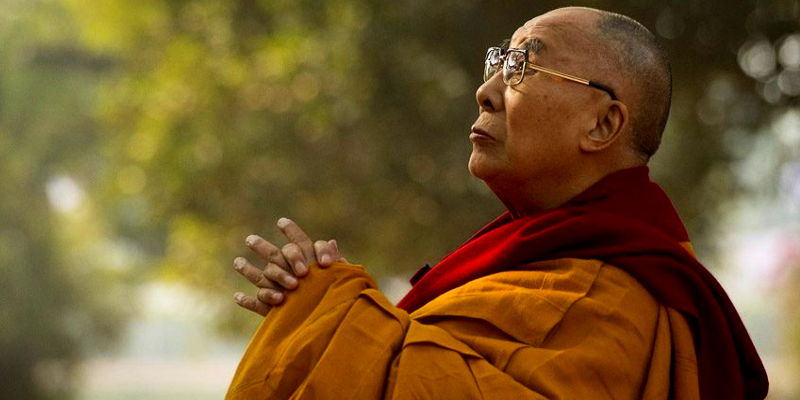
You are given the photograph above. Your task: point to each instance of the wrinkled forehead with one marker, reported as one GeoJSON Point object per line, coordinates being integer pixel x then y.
{"type": "Point", "coordinates": [557, 35]}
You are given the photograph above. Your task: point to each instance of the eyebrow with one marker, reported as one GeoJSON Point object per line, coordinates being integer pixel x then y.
{"type": "Point", "coordinates": [534, 45]}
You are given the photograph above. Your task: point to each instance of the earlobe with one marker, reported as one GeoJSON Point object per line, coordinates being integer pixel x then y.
{"type": "Point", "coordinates": [610, 123]}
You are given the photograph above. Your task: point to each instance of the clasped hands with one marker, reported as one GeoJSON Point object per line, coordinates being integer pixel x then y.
{"type": "Point", "coordinates": [284, 266]}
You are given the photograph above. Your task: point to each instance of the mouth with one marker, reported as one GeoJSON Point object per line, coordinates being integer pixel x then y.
{"type": "Point", "coordinates": [479, 134]}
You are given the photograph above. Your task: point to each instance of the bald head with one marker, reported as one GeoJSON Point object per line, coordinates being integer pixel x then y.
{"type": "Point", "coordinates": [639, 59]}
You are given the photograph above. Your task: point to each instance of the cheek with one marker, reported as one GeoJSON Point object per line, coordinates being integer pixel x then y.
{"type": "Point", "coordinates": [538, 132]}
{"type": "Point", "coordinates": [529, 111]}
{"type": "Point", "coordinates": [529, 122]}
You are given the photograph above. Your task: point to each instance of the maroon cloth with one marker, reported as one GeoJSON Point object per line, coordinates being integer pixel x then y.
{"type": "Point", "coordinates": [627, 221]}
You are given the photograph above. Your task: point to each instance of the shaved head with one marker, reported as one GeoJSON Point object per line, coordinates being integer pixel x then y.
{"type": "Point", "coordinates": [641, 60]}
{"type": "Point", "coordinates": [599, 105]}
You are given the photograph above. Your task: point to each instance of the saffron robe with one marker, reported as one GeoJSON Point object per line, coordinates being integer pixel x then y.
{"type": "Point", "coordinates": [531, 307]}
{"type": "Point", "coordinates": [566, 329]}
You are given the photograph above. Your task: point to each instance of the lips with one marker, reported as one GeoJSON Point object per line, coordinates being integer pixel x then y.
{"type": "Point", "coordinates": [480, 133]}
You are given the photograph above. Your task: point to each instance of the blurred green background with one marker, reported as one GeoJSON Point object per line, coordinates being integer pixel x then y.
{"type": "Point", "coordinates": [142, 140]}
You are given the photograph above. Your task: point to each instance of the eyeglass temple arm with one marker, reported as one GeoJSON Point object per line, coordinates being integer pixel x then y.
{"type": "Point", "coordinates": [573, 78]}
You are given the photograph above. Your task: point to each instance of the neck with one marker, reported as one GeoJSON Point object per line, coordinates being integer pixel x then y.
{"type": "Point", "coordinates": [527, 198]}
{"type": "Point", "coordinates": [531, 199]}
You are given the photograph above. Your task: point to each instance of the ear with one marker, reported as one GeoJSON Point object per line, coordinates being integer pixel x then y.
{"type": "Point", "coordinates": [612, 119]}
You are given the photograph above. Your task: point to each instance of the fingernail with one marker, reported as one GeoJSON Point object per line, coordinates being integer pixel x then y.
{"type": "Point", "coordinates": [251, 240]}
{"type": "Point", "coordinates": [238, 263]}
{"type": "Point", "coordinates": [238, 296]}
{"type": "Point", "coordinates": [326, 259]}
{"type": "Point", "coordinates": [300, 268]}
{"type": "Point", "coordinates": [290, 281]}
{"type": "Point", "coordinates": [283, 222]}
{"type": "Point", "coordinates": [277, 296]}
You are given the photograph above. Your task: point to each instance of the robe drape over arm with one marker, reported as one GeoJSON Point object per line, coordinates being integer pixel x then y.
{"type": "Point", "coordinates": [598, 298]}
{"type": "Point", "coordinates": [561, 329]}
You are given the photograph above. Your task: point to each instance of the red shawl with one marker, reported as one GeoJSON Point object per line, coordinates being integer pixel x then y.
{"type": "Point", "coordinates": [627, 221]}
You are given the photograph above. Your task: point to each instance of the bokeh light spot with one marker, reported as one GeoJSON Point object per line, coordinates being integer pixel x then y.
{"type": "Point", "coordinates": [64, 194]}
{"type": "Point", "coordinates": [789, 82]}
{"type": "Point", "coordinates": [789, 52]}
{"type": "Point", "coordinates": [757, 58]}
{"type": "Point", "coordinates": [669, 25]}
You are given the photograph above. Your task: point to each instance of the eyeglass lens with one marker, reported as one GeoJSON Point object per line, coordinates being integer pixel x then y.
{"type": "Point", "coordinates": [512, 62]}
{"type": "Point", "coordinates": [493, 61]}
{"type": "Point", "coordinates": [514, 67]}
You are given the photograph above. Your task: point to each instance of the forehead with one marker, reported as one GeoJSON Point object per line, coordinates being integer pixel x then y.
{"type": "Point", "coordinates": [558, 33]}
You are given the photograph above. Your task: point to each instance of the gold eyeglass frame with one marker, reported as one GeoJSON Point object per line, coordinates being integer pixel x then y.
{"type": "Point", "coordinates": [526, 65]}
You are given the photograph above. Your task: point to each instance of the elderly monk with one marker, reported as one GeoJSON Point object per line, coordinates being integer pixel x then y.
{"type": "Point", "coordinates": [587, 288]}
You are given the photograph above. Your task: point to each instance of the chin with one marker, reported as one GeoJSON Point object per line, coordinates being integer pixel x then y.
{"type": "Point", "coordinates": [479, 168]}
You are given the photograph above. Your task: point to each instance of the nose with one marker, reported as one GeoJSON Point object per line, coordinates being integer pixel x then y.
{"type": "Point", "coordinates": [490, 94]}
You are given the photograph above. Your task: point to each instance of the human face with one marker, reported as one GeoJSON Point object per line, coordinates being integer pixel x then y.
{"type": "Point", "coordinates": [527, 134]}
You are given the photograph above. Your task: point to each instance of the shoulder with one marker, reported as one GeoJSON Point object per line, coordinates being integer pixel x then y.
{"type": "Point", "coordinates": [558, 321]}
{"type": "Point", "coordinates": [530, 302]}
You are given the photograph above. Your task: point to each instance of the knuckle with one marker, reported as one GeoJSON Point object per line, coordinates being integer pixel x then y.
{"type": "Point", "coordinates": [291, 251]}
{"type": "Point", "coordinates": [304, 240]}
{"type": "Point", "coordinates": [261, 281]}
{"type": "Point", "coordinates": [272, 272]}
{"type": "Point", "coordinates": [251, 274]}
{"type": "Point", "coordinates": [279, 275]}
{"type": "Point", "coordinates": [246, 303]}
{"type": "Point", "coordinates": [250, 304]}
{"type": "Point", "coordinates": [272, 252]}
{"type": "Point", "coordinates": [269, 296]}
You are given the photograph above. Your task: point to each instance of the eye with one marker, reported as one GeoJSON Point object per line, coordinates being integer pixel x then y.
{"type": "Point", "coordinates": [516, 60]}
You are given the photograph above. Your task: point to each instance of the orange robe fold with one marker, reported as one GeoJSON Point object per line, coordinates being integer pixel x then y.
{"type": "Point", "coordinates": [559, 329]}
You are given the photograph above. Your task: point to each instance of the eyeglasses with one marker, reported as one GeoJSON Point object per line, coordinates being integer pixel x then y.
{"type": "Point", "coordinates": [515, 63]}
